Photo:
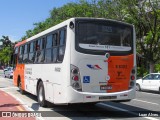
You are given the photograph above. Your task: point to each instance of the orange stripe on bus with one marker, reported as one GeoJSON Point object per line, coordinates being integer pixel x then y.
{"type": "Point", "coordinates": [20, 43]}
{"type": "Point", "coordinates": [119, 69]}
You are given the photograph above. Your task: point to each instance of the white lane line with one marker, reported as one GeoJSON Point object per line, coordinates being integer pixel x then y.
{"type": "Point", "coordinates": [146, 102]}
{"type": "Point", "coordinates": [124, 110]}
{"type": "Point", "coordinates": [7, 88]}
{"type": "Point", "coordinates": [150, 93]}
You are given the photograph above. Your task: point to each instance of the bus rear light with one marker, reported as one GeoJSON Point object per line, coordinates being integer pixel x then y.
{"type": "Point", "coordinates": [131, 84]}
{"type": "Point", "coordinates": [75, 78]}
{"type": "Point", "coordinates": [123, 95]}
{"type": "Point", "coordinates": [74, 71]}
{"type": "Point", "coordinates": [88, 96]}
{"type": "Point", "coordinates": [133, 71]}
{"type": "Point", "coordinates": [132, 77]}
{"type": "Point", "coordinates": [76, 85]}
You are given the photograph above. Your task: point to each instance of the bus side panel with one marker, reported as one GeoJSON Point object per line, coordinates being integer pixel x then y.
{"type": "Point", "coordinates": [62, 77]}
{"type": "Point", "coordinates": [19, 72]}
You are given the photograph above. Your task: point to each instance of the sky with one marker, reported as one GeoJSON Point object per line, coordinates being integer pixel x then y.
{"type": "Point", "coordinates": [18, 16]}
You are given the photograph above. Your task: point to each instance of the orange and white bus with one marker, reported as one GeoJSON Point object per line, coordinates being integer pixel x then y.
{"type": "Point", "coordinates": [81, 60]}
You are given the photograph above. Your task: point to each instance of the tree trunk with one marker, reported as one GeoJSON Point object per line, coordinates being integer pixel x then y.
{"type": "Point", "coordinates": [151, 67]}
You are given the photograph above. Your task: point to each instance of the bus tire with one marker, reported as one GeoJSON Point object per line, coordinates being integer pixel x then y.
{"type": "Point", "coordinates": [41, 95]}
{"type": "Point", "coordinates": [118, 101]}
{"type": "Point", "coordinates": [91, 103]}
{"type": "Point", "coordinates": [20, 87]}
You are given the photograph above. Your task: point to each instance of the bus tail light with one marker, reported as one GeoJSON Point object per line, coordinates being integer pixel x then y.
{"type": "Point", "coordinates": [75, 78]}
{"type": "Point", "coordinates": [132, 78]}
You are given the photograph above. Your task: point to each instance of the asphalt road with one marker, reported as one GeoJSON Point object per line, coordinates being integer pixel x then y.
{"type": "Point", "coordinates": [144, 103]}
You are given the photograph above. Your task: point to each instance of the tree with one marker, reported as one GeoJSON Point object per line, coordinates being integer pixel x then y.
{"type": "Point", "coordinates": [5, 55]}
{"type": "Point", "coordinates": [145, 15]}
{"type": "Point", "coordinates": [57, 15]}
{"type": "Point", "coordinates": [5, 41]}
{"type": "Point", "coordinates": [6, 50]}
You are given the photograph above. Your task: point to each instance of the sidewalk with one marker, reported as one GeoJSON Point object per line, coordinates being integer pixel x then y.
{"type": "Point", "coordinates": [9, 106]}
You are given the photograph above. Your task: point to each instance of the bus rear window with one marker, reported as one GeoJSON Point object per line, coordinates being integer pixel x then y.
{"type": "Point", "coordinates": [98, 36]}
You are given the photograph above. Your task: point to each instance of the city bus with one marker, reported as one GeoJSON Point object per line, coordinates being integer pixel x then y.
{"type": "Point", "coordinates": [81, 60]}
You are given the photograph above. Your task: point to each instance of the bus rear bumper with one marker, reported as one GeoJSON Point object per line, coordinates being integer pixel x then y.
{"type": "Point", "coordinates": [83, 97]}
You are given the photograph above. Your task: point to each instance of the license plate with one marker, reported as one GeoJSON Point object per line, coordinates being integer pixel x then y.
{"type": "Point", "coordinates": [105, 87]}
{"type": "Point", "coordinates": [107, 97]}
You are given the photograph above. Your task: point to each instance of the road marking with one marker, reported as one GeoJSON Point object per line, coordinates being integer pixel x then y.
{"type": "Point", "coordinates": [7, 88]}
{"type": "Point", "coordinates": [24, 104]}
{"type": "Point", "coordinates": [124, 110]}
{"type": "Point", "coordinates": [19, 108]}
{"type": "Point", "coordinates": [150, 93]}
{"type": "Point", "coordinates": [146, 102]}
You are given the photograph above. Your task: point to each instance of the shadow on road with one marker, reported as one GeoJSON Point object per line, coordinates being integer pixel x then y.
{"type": "Point", "coordinates": [9, 105]}
{"type": "Point", "coordinates": [86, 110]}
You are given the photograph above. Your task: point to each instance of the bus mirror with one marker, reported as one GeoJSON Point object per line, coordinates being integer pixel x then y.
{"type": "Point", "coordinates": [71, 25]}
{"type": "Point", "coordinates": [11, 60]}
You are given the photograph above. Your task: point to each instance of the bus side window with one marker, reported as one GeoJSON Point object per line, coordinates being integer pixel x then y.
{"type": "Point", "coordinates": [25, 56]}
{"type": "Point", "coordinates": [48, 50]}
{"type": "Point", "coordinates": [41, 52]}
{"type": "Point", "coordinates": [55, 48]}
{"type": "Point", "coordinates": [62, 38]}
{"type": "Point", "coordinates": [31, 52]}
{"type": "Point", "coordinates": [37, 50]}
{"type": "Point", "coordinates": [55, 40]}
{"type": "Point", "coordinates": [20, 59]}
{"type": "Point", "coordinates": [14, 56]}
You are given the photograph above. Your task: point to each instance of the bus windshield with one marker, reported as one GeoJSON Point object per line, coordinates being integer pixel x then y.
{"type": "Point", "coordinates": [103, 37]}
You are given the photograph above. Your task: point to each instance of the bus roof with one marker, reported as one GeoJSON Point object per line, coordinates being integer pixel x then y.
{"type": "Point", "coordinates": [62, 24]}
{"type": "Point", "coordinates": [20, 43]}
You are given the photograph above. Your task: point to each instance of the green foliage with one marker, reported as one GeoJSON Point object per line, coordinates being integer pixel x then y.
{"type": "Point", "coordinates": [144, 15]}
{"type": "Point", "coordinates": [5, 41]}
{"type": "Point", "coordinates": [6, 50]}
{"type": "Point", "coordinates": [157, 67]}
{"type": "Point", "coordinates": [141, 71]}
{"type": "Point", "coordinates": [57, 15]}
{"type": "Point", "coordinates": [5, 55]}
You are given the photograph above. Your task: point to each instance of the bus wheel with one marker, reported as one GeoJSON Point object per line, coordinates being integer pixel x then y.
{"type": "Point", "coordinates": [20, 88]}
{"type": "Point", "coordinates": [118, 101]}
{"type": "Point", "coordinates": [41, 95]}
